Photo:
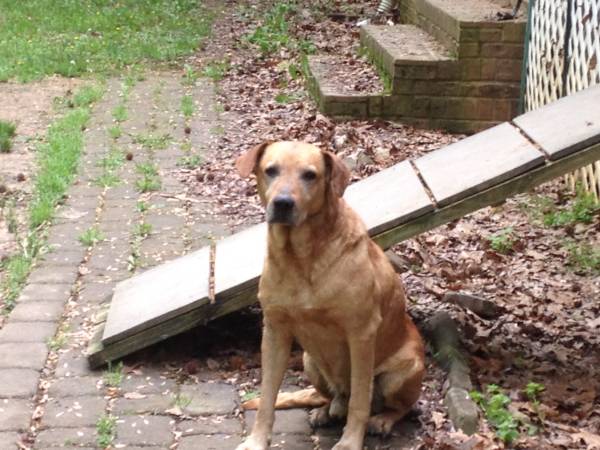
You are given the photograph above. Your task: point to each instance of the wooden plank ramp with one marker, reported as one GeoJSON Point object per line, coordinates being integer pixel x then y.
{"type": "Point", "coordinates": [396, 203]}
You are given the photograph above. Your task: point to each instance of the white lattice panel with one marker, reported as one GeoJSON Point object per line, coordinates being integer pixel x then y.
{"type": "Point", "coordinates": [584, 46]}
{"type": "Point", "coordinates": [554, 71]}
{"type": "Point", "coordinates": [584, 70]}
{"type": "Point", "coordinates": [546, 53]}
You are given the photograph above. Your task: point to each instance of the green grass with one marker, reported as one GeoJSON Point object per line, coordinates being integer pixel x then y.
{"type": "Point", "coordinates": [142, 206]}
{"type": "Point", "coordinates": [216, 70]}
{"type": "Point", "coordinates": [190, 162]}
{"type": "Point", "coordinates": [57, 161]}
{"type": "Point", "coordinates": [113, 377]}
{"type": "Point", "coordinates": [250, 395]}
{"type": "Point", "coordinates": [285, 98]}
{"type": "Point", "coordinates": [87, 95]}
{"type": "Point", "coordinates": [120, 113]}
{"type": "Point", "coordinates": [581, 209]}
{"type": "Point", "coordinates": [584, 257]}
{"type": "Point", "coordinates": [115, 132]}
{"type": "Point", "coordinates": [73, 38]}
{"type": "Point", "coordinates": [16, 269]}
{"type": "Point", "coordinates": [142, 230]}
{"type": "Point", "coordinates": [106, 430]}
{"type": "Point", "coordinates": [7, 132]}
{"type": "Point", "coordinates": [190, 76]}
{"type": "Point", "coordinates": [153, 142]}
{"type": "Point", "coordinates": [503, 241]}
{"type": "Point", "coordinates": [150, 179]}
{"type": "Point", "coordinates": [273, 33]}
{"type": "Point", "coordinates": [187, 106]}
{"type": "Point", "coordinates": [58, 158]}
{"type": "Point", "coordinates": [91, 237]}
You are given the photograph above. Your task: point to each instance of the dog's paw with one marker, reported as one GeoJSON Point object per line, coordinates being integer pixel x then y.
{"type": "Point", "coordinates": [251, 444]}
{"type": "Point", "coordinates": [319, 417]}
{"type": "Point", "coordinates": [380, 424]}
{"type": "Point", "coordinates": [341, 445]}
{"type": "Point", "coordinates": [338, 409]}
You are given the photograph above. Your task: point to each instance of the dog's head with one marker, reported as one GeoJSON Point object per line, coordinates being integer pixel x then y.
{"type": "Point", "coordinates": [295, 179]}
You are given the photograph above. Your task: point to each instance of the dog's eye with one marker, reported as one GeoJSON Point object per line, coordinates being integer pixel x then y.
{"type": "Point", "coordinates": [309, 175]}
{"type": "Point", "coordinates": [272, 171]}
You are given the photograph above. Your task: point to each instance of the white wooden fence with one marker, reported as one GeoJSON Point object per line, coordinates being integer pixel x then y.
{"type": "Point", "coordinates": [563, 57]}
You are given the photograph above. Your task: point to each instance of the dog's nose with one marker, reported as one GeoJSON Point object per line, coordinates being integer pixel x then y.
{"type": "Point", "coordinates": [283, 203]}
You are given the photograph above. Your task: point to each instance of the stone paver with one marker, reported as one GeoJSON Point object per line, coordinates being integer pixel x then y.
{"type": "Point", "coordinates": [27, 331]}
{"type": "Point", "coordinates": [211, 425]}
{"type": "Point", "coordinates": [96, 292]}
{"type": "Point", "coordinates": [208, 398]}
{"type": "Point", "coordinates": [47, 274]}
{"type": "Point", "coordinates": [292, 441]}
{"type": "Point", "coordinates": [18, 383]}
{"type": "Point", "coordinates": [44, 292]}
{"type": "Point", "coordinates": [15, 414]}
{"type": "Point", "coordinates": [60, 257]}
{"type": "Point", "coordinates": [74, 387]}
{"type": "Point", "coordinates": [54, 437]}
{"type": "Point", "coordinates": [148, 383]}
{"type": "Point", "coordinates": [8, 440]}
{"type": "Point", "coordinates": [23, 355]}
{"type": "Point", "coordinates": [210, 442]}
{"type": "Point", "coordinates": [144, 430]}
{"type": "Point", "coordinates": [72, 364]}
{"type": "Point", "coordinates": [73, 412]}
{"type": "Point", "coordinates": [37, 311]}
{"type": "Point", "coordinates": [150, 404]}
{"type": "Point", "coordinates": [292, 421]}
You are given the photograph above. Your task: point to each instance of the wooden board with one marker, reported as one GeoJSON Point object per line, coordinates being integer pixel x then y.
{"type": "Point", "coordinates": [566, 125]}
{"type": "Point", "coordinates": [490, 196]}
{"type": "Point", "coordinates": [168, 290]}
{"type": "Point", "coordinates": [239, 260]}
{"type": "Point", "coordinates": [477, 162]}
{"type": "Point", "coordinates": [389, 197]}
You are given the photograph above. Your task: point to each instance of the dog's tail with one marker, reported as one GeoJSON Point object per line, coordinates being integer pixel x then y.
{"type": "Point", "coordinates": [304, 398]}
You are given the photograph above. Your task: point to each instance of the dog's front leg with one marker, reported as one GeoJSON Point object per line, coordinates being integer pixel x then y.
{"type": "Point", "coordinates": [275, 352]}
{"type": "Point", "coordinates": [362, 360]}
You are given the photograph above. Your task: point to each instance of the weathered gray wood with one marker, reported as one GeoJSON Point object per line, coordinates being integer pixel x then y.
{"type": "Point", "coordinates": [389, 197]}
{"type": "Point", "coordinates": [566, 125]}
{"type": "Point", "coordinates": [477, 162]}
{"type": "Point", "coordinates": [239, 260]}
{"type": "Point", "coordinates": [493, 195]}
{"type": "Point", "coordinates": [169, 290]}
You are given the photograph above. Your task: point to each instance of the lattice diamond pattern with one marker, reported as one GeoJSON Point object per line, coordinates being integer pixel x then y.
{"type": "Point", "coordinates": [547, 62]}
{"type": "Point", "coordinates": [546, 53]}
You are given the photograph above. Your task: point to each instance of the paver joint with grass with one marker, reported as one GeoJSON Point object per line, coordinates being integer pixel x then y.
{"type": "Point", "coordinates": [57, 162]}
{"type": "Point", "coordinates": [7, 132]}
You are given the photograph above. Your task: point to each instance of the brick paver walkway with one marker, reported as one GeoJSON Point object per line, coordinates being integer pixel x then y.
{"type": "Point", "coordinates": [49, 398]}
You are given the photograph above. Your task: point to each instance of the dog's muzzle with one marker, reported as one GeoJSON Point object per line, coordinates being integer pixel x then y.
{"type": "Point", "coordinates": [281, 210]}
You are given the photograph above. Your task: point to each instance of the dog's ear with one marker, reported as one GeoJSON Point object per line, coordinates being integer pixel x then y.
{"type": "Point", "coordinates": [246, 163]}
{"type": "Point", "coordinates": [339, 174]}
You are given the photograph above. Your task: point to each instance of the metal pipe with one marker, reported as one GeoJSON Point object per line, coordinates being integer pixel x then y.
{"type": "Point", "coordinates": [385, 6]}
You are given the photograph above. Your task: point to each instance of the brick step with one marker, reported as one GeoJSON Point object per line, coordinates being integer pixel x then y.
{"type": "Point", "coordinates": [458, 106]}
{"type": "Point", "coordinates": [460, 25]}
{"type": "Point", "coordinates": [407, 52]}
{"type": "Point", "coordinates": [332, 97]}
